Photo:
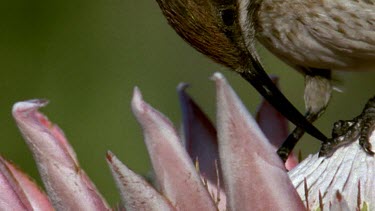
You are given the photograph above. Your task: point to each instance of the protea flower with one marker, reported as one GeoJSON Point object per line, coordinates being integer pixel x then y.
{"type": "Point", "coordinates": [232, 167]}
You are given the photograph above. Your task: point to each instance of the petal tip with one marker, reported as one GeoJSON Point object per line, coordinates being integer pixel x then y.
{"type": "Point", "coordinates": [183, 96]}
{"type": "Point", "coordinates": [29, 105]}
{"type": "Point", "coordinates": [109, 156]}
{"type": "Point", "coordinates": [217, 76]}
{"type": "Point", "coordinates": [182, 86]}
{"type": "Point", "coordinates": [137, 101]}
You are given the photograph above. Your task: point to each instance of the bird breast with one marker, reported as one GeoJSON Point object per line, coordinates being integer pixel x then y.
{"type": "Point", "coordinates": [329, 34]}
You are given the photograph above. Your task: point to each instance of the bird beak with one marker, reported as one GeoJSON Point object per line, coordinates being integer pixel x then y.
{"type": "Point", "coordinates": [258, 78]}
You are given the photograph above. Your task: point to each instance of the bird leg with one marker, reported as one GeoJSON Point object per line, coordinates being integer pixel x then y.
{"type": "Point", "coordinates": [318, 91]}
{"type": "Point", "coordinates": [345, 132]}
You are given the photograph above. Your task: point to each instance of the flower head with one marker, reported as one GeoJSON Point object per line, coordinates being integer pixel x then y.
{"type": "Point", "coordinates": [233, 166]}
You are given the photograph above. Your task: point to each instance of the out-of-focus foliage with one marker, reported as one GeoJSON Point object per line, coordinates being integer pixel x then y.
{"type": "Point", "coordinates": [86, 57]}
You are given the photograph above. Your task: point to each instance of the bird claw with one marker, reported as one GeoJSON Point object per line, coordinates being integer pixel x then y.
{"type": "Point", "coordinates": [366, 146]}
{"type": "Point", "coordinates": [345, 132]}
{"type": "Point", "coordinates": [283, 153]}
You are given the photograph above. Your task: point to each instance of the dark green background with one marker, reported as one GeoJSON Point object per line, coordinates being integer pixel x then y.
{"type": "Point", "coordinates": [86, 57]}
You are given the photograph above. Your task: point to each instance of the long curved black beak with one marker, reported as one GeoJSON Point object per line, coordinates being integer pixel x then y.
{"type": "Point", "coordinates": [259, 79]}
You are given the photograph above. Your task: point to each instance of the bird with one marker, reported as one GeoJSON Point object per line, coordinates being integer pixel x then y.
{"type": "Point", "coordinates": [312, 36]}
{"type": "Point", "coordinates": [316, 37]}
{"type": "Point", "coordinates": [224, 30]}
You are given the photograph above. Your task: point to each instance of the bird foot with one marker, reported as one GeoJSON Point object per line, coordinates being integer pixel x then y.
{"type": "Point", "coordinates": [283, 153]}
{"type": "Point", "coordinates": [346, 132]}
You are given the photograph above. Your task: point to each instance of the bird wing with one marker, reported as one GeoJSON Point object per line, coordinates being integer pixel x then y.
{"type": "Point", "coordinates": [345, 27]}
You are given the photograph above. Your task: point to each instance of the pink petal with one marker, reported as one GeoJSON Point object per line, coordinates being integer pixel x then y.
{"type": "Point", "coordinates": [11, 194]}
{"type": "Point", "coordinates": [254, 176]}
{"type": "Point", "coordinates": [200, 140]}
{"type": "Point", "coordinates": [175, 173]}
{"type": "Point", "coordinates": [199, 135]}
{"type": "Point", "coordinates": [18, 191]}
{"type": "Point", "coordinates": [291, 161]}
{"type": "Point", "coordinates": [66, 183]}
{"type": "Point", "coordinates": [275, 126]}
{"type": "Point", "coordinates": [136, 193]}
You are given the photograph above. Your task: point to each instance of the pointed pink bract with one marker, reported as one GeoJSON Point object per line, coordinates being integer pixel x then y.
{"type": "Point", "coordinates": [27, 194]}
{"type": "Point", "coordinates": [200, 140]}
{"type": "Point", "coordinates": [275, 126]}
{"type": "Point", "coordinates": [136, 193]}
{"type": "Point", "coordinates": [174, 171]}
{"type": "Point", "coordinates": [254, 176]}
{"type": "Point", "coordinates": [200, 137]}
{"type": "Point", "coordinates": [66, 183]}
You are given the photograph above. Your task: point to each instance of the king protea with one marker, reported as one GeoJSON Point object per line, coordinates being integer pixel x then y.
{"type": "Point", "coordinates": [231, 167]}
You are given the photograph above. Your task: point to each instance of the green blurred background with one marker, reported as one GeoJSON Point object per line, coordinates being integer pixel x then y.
{"type": "Point", "coordinates": [86, 57]}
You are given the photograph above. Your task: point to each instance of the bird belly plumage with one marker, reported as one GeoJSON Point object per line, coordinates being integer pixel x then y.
{"type": "Point", "coordinates": [324, 34]}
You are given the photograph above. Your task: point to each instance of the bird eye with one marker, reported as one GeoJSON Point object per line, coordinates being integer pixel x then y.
{"type": "Point", "coordinates": [228, 16]}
